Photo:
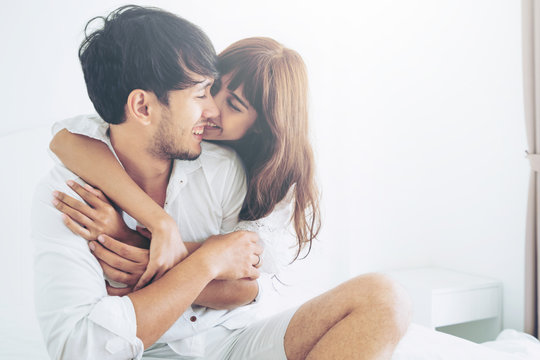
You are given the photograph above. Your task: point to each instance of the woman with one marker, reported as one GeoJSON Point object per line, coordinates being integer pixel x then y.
{"type": "Point", "coordinates": [262, 98]}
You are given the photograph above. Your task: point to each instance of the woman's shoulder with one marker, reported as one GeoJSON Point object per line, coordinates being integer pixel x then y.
{"type": "Point", "coordinates": [288, 201]}
{"type": "Point", "coordinates": [276, 235]}
{"type": "Point", "coordinates": [278, 218]}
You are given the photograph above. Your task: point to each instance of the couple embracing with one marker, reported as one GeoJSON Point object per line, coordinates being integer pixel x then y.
{"type": "Point", "coordinates": [170, 250]}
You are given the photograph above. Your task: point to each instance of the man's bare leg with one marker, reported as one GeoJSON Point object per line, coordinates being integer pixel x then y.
{"type": "Point", "coordinates": [363, 318]}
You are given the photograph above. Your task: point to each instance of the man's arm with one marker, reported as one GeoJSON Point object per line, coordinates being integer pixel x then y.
{"type": "Point", "coordinates": [99, 217]}
{"type": "Point", "coordinates": [224, 257]}
{"type": "Point", "coordinates": [225, 294]}
{"type": "Point", "coordinates": [228, 294]}
{"type": "Point", "coordinates": [126, 269]}
{"type": "Point", "coordinates": [77, 317]}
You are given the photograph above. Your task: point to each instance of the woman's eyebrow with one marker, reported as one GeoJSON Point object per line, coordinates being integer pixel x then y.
{"type": "Point", "coordinates": [239, 100]}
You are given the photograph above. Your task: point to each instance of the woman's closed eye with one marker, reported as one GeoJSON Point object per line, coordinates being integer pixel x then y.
{"type": "Point", "coordinates": [231, 105]}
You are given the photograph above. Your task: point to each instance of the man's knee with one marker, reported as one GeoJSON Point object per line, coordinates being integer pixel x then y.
{"type": "Point", "coordinates": [385, 298]}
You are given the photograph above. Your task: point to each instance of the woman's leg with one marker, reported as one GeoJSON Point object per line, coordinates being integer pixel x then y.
{"type": "Point", "coordinates": [363, 318]}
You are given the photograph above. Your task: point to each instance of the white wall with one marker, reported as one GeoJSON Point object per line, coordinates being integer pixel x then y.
{"type": "Point", "coordinates": [416, 111]}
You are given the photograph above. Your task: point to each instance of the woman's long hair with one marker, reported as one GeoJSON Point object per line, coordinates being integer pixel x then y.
{"type": "Point", "coordinates": [276, 151]}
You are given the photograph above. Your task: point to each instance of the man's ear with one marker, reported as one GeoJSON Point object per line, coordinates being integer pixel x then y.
{"type": "Point", "coordinates": [139, 106]}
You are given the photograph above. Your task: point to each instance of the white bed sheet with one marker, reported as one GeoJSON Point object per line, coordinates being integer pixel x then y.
{"type": "Point", "coordinates": [516, 342]}
{"type": "Point", "coordinates": [422, 343]}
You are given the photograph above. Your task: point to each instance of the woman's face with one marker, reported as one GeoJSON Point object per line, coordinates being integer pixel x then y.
{"type": "Point", "coordinates": [236, 114]}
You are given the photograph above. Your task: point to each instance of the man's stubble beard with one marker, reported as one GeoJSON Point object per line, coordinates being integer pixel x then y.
{"type": "Point", "coordinates": [167, 146]}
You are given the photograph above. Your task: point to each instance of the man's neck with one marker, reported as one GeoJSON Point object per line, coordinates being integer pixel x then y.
{"type": "Point", "coordinates": [150, 173]}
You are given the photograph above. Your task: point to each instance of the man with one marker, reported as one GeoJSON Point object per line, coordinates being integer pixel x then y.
{"type": "Point", "coordinates": [148, 129]}
{"type": "Point", "coordinates": [148, 73]}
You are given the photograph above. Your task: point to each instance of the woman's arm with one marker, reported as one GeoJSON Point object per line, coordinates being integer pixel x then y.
{"type": "Point", "coordinates": [79, 154]}
{"type": "Point", "coordinates": [94, 162]}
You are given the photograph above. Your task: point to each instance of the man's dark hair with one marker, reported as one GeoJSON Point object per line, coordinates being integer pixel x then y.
{"type": "Point", "coordinates": [142, 48]}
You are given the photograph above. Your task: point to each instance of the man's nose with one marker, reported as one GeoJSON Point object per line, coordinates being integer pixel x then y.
{"type": "Point", "coordinates": [211, 110]}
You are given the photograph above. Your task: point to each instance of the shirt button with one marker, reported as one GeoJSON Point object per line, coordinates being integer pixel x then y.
{"type": "Point", "coordinates": [193, 318]}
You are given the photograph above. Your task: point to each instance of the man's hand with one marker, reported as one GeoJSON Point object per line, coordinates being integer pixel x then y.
{"type": "Point", "coordinates": [120, 262]}
{"type": "Point", "coordinates": [233, 256]}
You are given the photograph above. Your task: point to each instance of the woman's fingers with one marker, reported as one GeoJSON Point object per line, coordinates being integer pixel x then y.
{"type": "Point", "coordinates": [128, 252]}
{"type": "Point", "coordinates": [76, 209]}
{"type": "Point", "coordinates": [114, 260]}
{"type": "Point", "coordinates": [77, 229]}
{"type": "Point", "coordinates": [159, 274]}
{"type": "Point", "coordinates": [86, 195]}
{"type": "Point", "coordinates": [100, 195]}
{"type": "Point", "coordinates": [112, 291]}
{"type": "Point", "coordinates": [146, 277]}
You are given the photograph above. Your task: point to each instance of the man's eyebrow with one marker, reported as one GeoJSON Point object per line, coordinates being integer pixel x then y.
{"type": "Point", "coordinates": [239, 100]}
{"type": "Point", "coordinates": [205, 83]}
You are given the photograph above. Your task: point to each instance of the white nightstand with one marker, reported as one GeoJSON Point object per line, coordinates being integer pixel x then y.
{"type": "Point", "coordinates": [444, 297]}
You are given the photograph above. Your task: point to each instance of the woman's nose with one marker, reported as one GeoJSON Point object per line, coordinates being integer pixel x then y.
{"type": "Point", "coordinates": [211, 110]}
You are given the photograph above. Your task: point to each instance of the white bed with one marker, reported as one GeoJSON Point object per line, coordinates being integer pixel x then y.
{"type": "Point", "coordinates": [25, 159]}
{"type": "Point", "coordinates": [422, 343]}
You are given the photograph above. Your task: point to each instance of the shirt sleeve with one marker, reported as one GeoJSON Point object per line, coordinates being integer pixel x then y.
{"type": "Point", "coordinates": [91, 126]}
{"type": "Point", "coordinates": [88, 125]}
{"type": "Point", "coordinates": [77, 317]}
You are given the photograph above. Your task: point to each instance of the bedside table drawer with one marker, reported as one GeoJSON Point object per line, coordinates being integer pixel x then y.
{"type": "Point", "coordinates": [467, 305]}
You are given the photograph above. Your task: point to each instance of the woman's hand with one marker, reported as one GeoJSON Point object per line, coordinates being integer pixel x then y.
{"type": "Point", "coordinates": [120, 262]}
{"type": "Point", "coordinates": [98, 216]}
{"type": "Point", "coordinates": [166, 250]}
{"type": "Point", "coordinates": [92, 219]}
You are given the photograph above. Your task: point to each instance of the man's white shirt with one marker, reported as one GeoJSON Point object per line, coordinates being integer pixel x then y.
{"type": "Point", "coordinates": [78, 319]}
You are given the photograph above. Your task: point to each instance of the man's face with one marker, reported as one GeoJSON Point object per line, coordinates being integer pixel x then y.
{"type": "Point", "coordinates": [180, 130]}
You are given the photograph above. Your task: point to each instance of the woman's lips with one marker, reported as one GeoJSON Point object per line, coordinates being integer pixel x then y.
{"type": "Point", "coordinates": [212, 123]}
{"type": "Point", "coordinates": [210, 126]}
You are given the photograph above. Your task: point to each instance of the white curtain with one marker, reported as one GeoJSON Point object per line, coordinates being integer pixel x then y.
{"type": "Point", "coordinates": [531, 81]}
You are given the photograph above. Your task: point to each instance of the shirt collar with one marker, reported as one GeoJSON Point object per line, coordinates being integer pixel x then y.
{"type": "Point", "coordinates": [179, 178]}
